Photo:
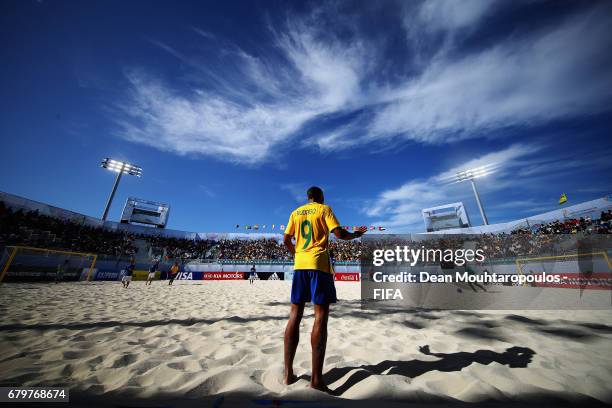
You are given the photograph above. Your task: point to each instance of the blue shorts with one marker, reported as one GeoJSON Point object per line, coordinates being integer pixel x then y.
{"type": "Point", "coordinates": [313, 286]}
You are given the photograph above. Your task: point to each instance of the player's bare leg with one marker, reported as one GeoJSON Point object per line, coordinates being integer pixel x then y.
{"type": "Point", "coordinates": [292, 338]}
{"type": "Point", "coordinates": [318, 341]}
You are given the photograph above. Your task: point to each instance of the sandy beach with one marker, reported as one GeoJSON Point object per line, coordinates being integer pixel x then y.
{"type": "Point", "coordinates": [209, 340]}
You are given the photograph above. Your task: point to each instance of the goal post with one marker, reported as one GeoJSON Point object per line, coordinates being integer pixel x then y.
{"type": "Point", "coordinates": [30, 264]}
{"type": "Point", "coordinates": [603, 256]}
{"type": "Point", "coordinates": [596, 264]}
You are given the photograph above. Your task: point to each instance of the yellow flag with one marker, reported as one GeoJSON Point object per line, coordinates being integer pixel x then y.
{"type": "Point", "coordinates": [562, 199]}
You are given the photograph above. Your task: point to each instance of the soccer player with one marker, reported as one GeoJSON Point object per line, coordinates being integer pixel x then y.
{"type": "Point", "coordinates": [129, 271]}
{"type": "Point", "coordinates": [174, 270]}
{"type": "Point", "coordinates": [61, 269]}
{"type": "Point", "coordinates": [152, 269]}
{"type": "Point", "coordinates": [313, 279]}
{"type": "Point", "coordinates": [252, 274]}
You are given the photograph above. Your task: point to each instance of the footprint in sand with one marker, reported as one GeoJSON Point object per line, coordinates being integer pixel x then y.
{"type": "Point", "coordinates": [94, 362]}
{"type": "Point", "coordinates": [272, 379]}
{"type": "Point", "coordinates": [179, 365]}
{"type": "Point", "coordinates": [125, 360]}
{"type": "Point", "coordinates": [72, 355]}
{"type": "Point", "coordinates": [257, 376]}
{"type": "Point", "coordinates": [333, 359]}
{"type": "Point", "coordinates": [146, 366]}
{"type": "Point", "coordinates": [67, 370]}
{"type": "Point", "coordinates": [272, 350]}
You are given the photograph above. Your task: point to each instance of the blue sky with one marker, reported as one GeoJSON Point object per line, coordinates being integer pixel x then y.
{"type": "Point", "coordinates": [234, 108]}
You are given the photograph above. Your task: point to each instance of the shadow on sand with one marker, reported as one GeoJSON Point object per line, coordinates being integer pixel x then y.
{"type": "Point", "coordinates": [514, 357]}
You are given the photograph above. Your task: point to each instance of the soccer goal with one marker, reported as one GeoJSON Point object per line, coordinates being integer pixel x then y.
{"type": "Point", "coordinates": [571, 265]}
{"type": "Point", "coordinates": [22, 263]}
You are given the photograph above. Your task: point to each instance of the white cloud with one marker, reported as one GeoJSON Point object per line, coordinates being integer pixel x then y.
{"type": "Point", "coordinates": [254, 106]}
{"type": "Point", "coordinates": [554, 74]}
{"type": "Point", "coordinates": [207, 190]}
{"type": "Point", "coordinates": [206, 34]}
{"type": "Point", "coordinates": [205, 123]}
{"type": "Point", "coordinates": [330, 70]}
{"type": "Point", "coordinates": [297, 191]}
{"type": "Point", "coordinates": [452, 15]}
{"type": "Point", "coordinates": [250, 105]}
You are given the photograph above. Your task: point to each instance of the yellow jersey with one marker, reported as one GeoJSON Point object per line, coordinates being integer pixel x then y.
{"type": "Point", "coordinates": [310, 225]}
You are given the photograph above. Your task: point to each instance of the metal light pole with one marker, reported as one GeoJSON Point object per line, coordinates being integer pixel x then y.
{"type": "Point", "coordinates": [482, 212]}
{"type": "Point", "coordinates": [471, 175]}
{"type": "Point", "coordinates": [120, 168]}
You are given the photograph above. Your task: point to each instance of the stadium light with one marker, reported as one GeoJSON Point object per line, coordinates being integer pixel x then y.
{"type": "Point", "coordinates": [120, 168]}
{"type": "Point", "coordinates": [471, 175]}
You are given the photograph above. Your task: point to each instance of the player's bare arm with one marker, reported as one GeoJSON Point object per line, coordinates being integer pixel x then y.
{"type": "Point", "coordinates": [343, 234]}
{"type": "Point", "coordinates": [288, 241]}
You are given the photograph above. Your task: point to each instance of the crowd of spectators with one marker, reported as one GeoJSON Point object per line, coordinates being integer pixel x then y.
{"type": "Point", "coordinates": [179, 248]}
{"type": "Point", "coordinates": [584, 225]}
{"type": "Point", "coordinates": [344, 251]}
{"type": "Point", "coordinates": [30, 228]}
{"type": "Point", "coordinates": [244, 250]}
{"type": "Point", "coordinates": [552, 238]}
{"type": "Point", "coordinates": [263, 248]}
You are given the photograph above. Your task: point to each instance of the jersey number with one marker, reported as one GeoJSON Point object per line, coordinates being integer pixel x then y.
{"type": "Point", "coordinates": [306, 235]}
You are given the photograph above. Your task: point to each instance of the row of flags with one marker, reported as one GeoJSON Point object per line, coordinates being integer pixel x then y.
{"type": "Point", "coordinates": [264, 226]}
{"type": "Point", "coordinates": [371, 228]}
{"type": "Point", "coordinates": [281, 227]}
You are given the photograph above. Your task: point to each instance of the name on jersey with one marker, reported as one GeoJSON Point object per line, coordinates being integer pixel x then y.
{"type": "Point", "coordinates": [306, 212]}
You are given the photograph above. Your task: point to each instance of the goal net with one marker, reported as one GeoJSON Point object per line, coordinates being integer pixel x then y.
{"type": "Point", "coordinates": [28, 264]}
{"type": "Point", "coordinates": [586, 270]}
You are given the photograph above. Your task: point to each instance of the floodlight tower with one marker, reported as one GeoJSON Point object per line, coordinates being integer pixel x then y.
{"type": "Point", "coordinates": [471, 175]}
{"type": "Point", "coordinates": [119, 167]}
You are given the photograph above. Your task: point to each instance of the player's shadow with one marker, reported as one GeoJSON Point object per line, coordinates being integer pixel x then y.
{"type": "Point", "coordinates": [514, 357]}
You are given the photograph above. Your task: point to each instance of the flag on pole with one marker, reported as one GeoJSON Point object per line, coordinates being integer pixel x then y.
{"type": "Point", "coordinates": [563, 199]}
{"type": "Point", "coordinates": [381, 228]}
